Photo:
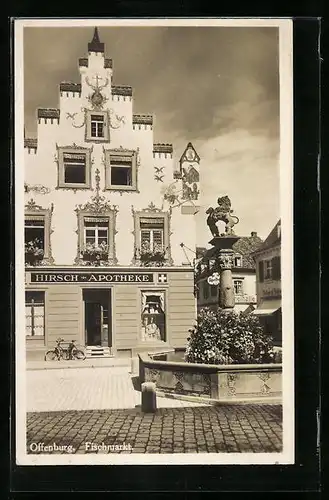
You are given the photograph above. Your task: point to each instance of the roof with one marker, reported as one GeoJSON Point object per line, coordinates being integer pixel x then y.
{"type": "Point", "coordinates": [31, 143]}
{"type": "Point", "coordinates": [122, 90]}
{"type": "Point", "coordinates": [162, 148]}
{"type": "Point", "coordinates": [273, 239]}
{"type": "Point", "coordinates": [143, 119]}
{"type": "Point", "coordinates": [48, 113]}
{"type": "Point", "coordinates": [108, 63]}
{"type": "Point", "coordinates": [70, 87]}
{"type": "Point", "coordinates": [83, 61]}
{"type": "Point", "coordinates": [95, 45]}
{"type": "Point", "coordinates": [245, 246]}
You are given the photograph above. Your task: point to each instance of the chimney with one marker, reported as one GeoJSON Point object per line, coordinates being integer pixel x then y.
{"type": "Point", "coordinates": [253, 234]}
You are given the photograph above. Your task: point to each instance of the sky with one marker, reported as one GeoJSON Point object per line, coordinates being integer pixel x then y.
{"type": "Point", "coordinates": [217, 87]}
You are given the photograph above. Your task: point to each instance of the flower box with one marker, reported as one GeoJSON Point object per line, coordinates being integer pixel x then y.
{"type": "Point", "coordinates": [93, 254]}
{"type": "Point", "coordinates": [33, 252]}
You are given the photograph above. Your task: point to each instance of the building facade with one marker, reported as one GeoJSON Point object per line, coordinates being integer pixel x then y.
{"type": "Point", "coordinates": [106, 211]}
{"type": "Point", "coordinates": [268, 282]}
{"type": "Point", "coordinates": [243, 275]}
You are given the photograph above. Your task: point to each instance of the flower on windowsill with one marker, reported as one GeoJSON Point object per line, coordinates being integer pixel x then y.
{"type": "Point", "coordinates": [95, 253]}
{"type": "Point", "coordinates": [33, 251]}
{"type": "Point", "coordinates": [155, 256]}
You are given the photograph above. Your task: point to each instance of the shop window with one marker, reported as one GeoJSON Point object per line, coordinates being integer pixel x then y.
{"type": "Point", "coordinates": [97, 126]}
{"type": "Point", "coordinates": [153, 317]}
{"type": "Point", "coordinates": [238, 287]}
{"type": "Point", "coordinates": [74, 168]}
{"type": "Point", "coordinates": [35, 314]}
{"type": "Point", "coordinates": [121, 170]}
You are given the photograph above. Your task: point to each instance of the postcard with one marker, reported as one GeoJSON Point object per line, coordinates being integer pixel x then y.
{"type": "Point", "coordinates": [154, 236]}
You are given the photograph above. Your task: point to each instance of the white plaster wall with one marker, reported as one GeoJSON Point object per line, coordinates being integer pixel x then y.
{"type": "Point", "coordinates": [41, 168]}
{"type": "Point", "coordinates": [249, 282]}
{"type": "Point", "coordinates": [267, 285]}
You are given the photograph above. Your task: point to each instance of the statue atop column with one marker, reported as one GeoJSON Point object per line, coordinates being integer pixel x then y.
{"type": "Point", "coordinates": [222, 212]}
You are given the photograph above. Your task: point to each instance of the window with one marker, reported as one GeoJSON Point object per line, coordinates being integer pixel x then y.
{"type": "Point", "coordinates": [121, 170]}
{"type": "Point", "coordinates": [213, 290]}
{"type": "Point", "coordinates": [152, 238]}
{"type": "Point", "coordinates": [35, 313]}
{"type": "Point", "coordinates": [37, 230]}
{"type": "Point", "coordinates": [268, 269]}
{"type": "Point", "coordinates": [238, 261]}
{"type": "Point", "coordinates": [74, 167]}
{"type": "Point", "coordinates": [96, 232]}
{"type": "Point", "coordinates": [97, 126]}
{"type": "Point", "coordinates": [96, 238]}
{"type": "Point", "coordinates": [238, 287]}
{"type": "Point", "coordinates": [153, 316]}
{"type": "Point", "coordinates": [151, 234]}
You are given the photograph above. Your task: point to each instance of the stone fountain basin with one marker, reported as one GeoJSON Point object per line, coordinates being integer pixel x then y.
{"type": "Point", "coordinates": [213, 383]}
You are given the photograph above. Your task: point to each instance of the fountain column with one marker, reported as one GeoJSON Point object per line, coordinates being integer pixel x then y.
{"type": "Point", "coordinates": [224, 253]}
{"type": "Point", "coordinates": [225, 257]}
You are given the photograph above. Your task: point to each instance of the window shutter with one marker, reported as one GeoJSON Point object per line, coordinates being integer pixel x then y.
{"type": "Point", "coordinates": [261, 271]}
{"type": "Point", "coordinates": [276, 268]}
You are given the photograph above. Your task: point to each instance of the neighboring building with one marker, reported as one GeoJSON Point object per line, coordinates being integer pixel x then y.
{"type": "Point", "coordinates": [268, 279]}
{"type": "Point", "coordinates": [243, 275]}
{"type": "Point", "coordinates": [104, 261]}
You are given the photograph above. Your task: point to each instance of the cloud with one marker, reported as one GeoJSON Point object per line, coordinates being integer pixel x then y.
{"type": "Point", "coordinates": [215, 87]}
{"type": "Point", "coordinates": [245, 167]}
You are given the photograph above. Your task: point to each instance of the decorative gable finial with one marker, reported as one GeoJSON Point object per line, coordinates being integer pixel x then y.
{"type": "Point", "coordinates": [98, 204]}
{"type": "Point", "coordinates": [95, 45]}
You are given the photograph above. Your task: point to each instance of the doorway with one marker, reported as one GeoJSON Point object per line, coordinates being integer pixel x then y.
{"type": "Point", "coordinates": [97, 317]}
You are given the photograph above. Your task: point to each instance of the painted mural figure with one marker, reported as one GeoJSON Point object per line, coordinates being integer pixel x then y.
{"type": "Point", "coordinates": [221, 213]}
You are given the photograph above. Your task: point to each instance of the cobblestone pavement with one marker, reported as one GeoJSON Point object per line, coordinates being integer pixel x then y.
{"type": "Point", "coordinates": [86, 389]}
{"type": "Point", "coordinates": [222, 428]}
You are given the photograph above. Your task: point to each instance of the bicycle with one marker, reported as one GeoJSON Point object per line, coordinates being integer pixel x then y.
{"type": "Point", "coordinates": [59, 352]}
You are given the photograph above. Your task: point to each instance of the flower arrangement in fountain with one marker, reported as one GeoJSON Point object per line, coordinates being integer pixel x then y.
{"type": "Point", "coordinates": [219, 337]}
{"type": "Point", "coordinates": [93, 254]}
{"type": "Point", "coordinates": [152, 256]}
{"type": "Point", "coordinates": [34, 252]}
